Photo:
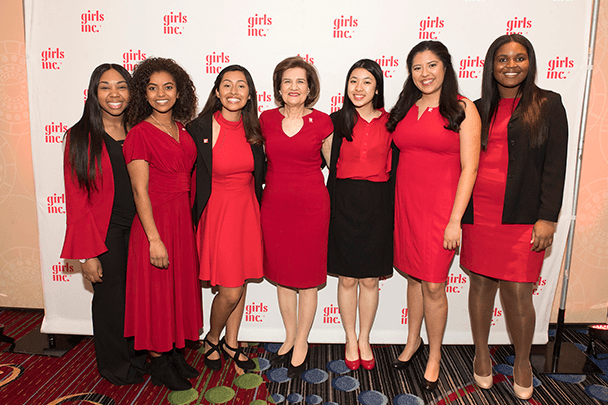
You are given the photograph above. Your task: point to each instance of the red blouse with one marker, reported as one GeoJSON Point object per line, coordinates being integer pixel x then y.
{"type": "Point", "coordinates": [368, 156]}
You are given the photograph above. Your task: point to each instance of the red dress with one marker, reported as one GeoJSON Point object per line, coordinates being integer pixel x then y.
{"type": "Point", "coordinates": [295, 205]}
{"type": "Point", "coordinates": [426, 182]}
{"type": "Point", "coordinates": [229, 236]}
{"type": "Point", "coordinates": [489, 247]}
{"type": "Point", "coordinates": [163, 306]}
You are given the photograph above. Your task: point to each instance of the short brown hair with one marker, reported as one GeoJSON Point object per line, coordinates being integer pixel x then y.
{"type": "Point", "coordinates": [311, 77]}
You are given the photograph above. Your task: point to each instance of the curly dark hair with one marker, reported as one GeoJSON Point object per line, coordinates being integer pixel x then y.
{"type": "Point", "coordinates": [184, 109]}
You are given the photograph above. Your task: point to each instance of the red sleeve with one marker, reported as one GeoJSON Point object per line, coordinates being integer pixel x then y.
{"type": "Point", "coordinates": [83, 237]}
{"type": "Point", "coordinates": [136, 145]}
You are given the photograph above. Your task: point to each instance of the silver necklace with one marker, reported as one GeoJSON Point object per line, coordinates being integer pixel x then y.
{"type": "Point", "coordinates": [165, 128]}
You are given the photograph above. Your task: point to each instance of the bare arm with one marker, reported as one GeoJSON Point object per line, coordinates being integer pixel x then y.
{"type": "Point", "coordinates": [326, 148]}
{"type": "Point", "coordinates": [139, 173]}
{"type": "Point", "coordinates": [470, 146]}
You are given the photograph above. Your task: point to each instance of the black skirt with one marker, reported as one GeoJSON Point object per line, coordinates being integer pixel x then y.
{"type": "Point", "coordinates": [361, 230]}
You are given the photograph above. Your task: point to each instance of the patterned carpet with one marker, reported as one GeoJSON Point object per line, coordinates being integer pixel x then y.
{"type": "Point", "coordinates": [73, 378]}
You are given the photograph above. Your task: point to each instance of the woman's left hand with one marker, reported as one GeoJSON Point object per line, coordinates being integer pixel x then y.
{"type": "Point", "coordinates": [542, 235]}
{"type": "Point", "coordinates": [451, 236]}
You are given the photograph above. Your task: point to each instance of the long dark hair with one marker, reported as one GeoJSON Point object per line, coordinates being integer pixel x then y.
{"type": "Point", "coordinates": [531, 106]}
{"type": "Point", "coordinates": [347, 116]}
{"type": "Point", "coordinates": [253, 130]}
{"type": "Point", "coordinates": [185, 105]}
{"type": "Point", "coordinates": [450, 107]}
{"type": "Point", "coordinates": [86, 136]}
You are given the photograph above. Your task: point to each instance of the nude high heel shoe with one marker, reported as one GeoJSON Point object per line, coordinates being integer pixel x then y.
{"type": "Point", "coordinates": [484, 382]}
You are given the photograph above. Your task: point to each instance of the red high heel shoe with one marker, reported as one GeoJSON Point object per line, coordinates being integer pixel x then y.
{"type": "Point", "coordinates": [352, 364]}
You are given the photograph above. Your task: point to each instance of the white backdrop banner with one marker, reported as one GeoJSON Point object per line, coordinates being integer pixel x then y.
{"type": "Point", "coordinates": [66, 40]}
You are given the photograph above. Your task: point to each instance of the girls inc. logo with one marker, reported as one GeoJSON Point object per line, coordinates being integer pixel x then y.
{"type": "Point", "coordinates": [53, 133]}
{"type": "Point", "coordinates": [404, 316]}
{"type": "Point", "coordinates": [174, 24]}
{"type": "Point", "coordinates": [130, 59]}
{"type": "Point", "coordinates": [518, 26]}
{"type": "Point", "coordinates": [455, 283]}
{"type": "Point", "coordinates": [429, 28]}
{"type": "Point", "coordinates": [90, 21]}
{"type": "Point", "coordinates": [50, 58]}
{"type": "Point", "coordinates": [538, 288]}
{"type": "Point", "coordinates": [387, 64]}
{"type": "Point", "coordinates": [495, 315]}
{"type": "Point", "coordinates": [470, 68]}
{"type": "Point", "coordinates": [55, 204]}
{"type": "Point", "coordinates": [341, 24]}
{"type": "Point", "coordinates": [264, 101]}
{"type": "Point", "coordinates": [307, 58]}
{"type": "Point", "coordinates": [559, 68]}
{"type": "Point", "coordinates": [214, 62]}
{"type": "Point", "coordinates": [62, 272]}
{"type": "Point", "coordinates": [257, 26]}
{"type": "Point", "coordinates": [254, 312]}
{"type": "Point", "coordinates": [336, 102]}
{"type": "Point", "coordinates": [331, 314]}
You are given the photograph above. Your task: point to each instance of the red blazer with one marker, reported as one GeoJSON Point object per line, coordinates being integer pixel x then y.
{"type": "Point", "coordinates": [87, 219]}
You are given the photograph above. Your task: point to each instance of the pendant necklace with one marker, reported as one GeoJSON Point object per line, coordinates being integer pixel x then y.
{"type": "Point", "coordinates": [165, 128]}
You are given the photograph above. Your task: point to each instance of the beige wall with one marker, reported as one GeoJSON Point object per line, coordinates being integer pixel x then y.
{"type": "Point", "coordinates": [20, 281]}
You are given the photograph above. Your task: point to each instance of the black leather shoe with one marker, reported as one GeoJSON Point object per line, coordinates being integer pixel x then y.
{"type": "Point", "coordinates": [180, 364]}
{"type": "Point", "coordinates": [277, 359]}
{"type": "Point", "coordinates": [216, 364]}
{"type": "Point", "coordinates": [248, 364]}
{"type": "Point", "coordinates": [163, 372]}
{"type": "Point", "coordinates": [402, 365]}
{"type": "Point", "coordinates": [429, 386]}
{"type": "Point", "coordinates": [296, 371]}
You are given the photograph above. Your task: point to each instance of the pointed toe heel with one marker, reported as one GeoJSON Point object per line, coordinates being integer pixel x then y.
{"type": "Point", "coordinates": [402, 365]}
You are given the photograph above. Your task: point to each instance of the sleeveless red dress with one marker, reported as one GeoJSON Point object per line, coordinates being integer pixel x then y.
{"type": "Point", "coordinates": [295, 204]}
{"type": "Point", "coordinates": [489, 247]}
{"type": "Point", "coordinates": [163, 306]}
{"type": "Point", "coordinates": [229, 236]}
{"type": "Point", "coordinates": [427, 178]}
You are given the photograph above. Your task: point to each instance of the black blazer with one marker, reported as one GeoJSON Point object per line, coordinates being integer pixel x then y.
{"type": "Point", "coordinates": [201, 131]}
{"type": "Point", "coordinates": [535, 176]}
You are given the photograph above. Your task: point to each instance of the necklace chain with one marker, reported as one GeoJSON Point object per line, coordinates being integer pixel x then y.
{"type": "Point", "coordinates": [165, 128]}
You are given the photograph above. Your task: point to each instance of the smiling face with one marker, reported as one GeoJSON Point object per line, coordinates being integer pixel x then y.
{"type": "Point", "coordinates": [511, 65]}
{"type": "Point", "coordinates": [112, 93]}
{"type": "Point", "coordinates": [161, 92]}
{"type": "Point", "coordinates": [294, 87]}
{"type": "Point", "coordinates": [428, 73]}
{"type": "Point", "coordinates": [233, 92]}
{"type": "Point", "coordinates": [361, 87]}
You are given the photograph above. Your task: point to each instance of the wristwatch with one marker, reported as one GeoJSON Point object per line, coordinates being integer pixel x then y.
{"type": "Point", "coordinates": [83, 260]}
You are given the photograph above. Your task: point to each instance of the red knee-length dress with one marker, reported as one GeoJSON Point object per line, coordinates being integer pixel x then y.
{"type": "Point", "coordinates": [295, 204]}
{"type": "Point", "coordinates": [489, 247]}
{"type": "Point", "coordinates": [427, 178]}
{"type": "Point", "coordinates": [229, 236]}
{"type": "Point", "coordinates": [163, 306]}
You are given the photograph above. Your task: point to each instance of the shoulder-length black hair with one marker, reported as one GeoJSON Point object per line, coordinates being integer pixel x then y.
{"type": "Point", "coordinates": [253, 130]}
{"type": "Point", "coordinates": [450, 107]}
{"type": "Point", "coordinates": [85, 138]}
{"type": "Point", "coordinates": [347, 116]}
{"type": "Point", "coordinates": [185, 105]}
{"type": "Point", "coordinates": [532, 100]}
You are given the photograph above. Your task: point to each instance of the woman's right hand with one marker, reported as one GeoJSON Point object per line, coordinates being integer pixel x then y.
{"type": "Point", "coordinates": [158, 254]}
{"type": "Point", "coordinates": [92, 271]}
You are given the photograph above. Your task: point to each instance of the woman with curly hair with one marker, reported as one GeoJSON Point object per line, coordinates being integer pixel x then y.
{"type": "Point", "coordinates": [163, 306]}
{"type": "Point", "coordinates": [229, 176]}
{"type": "Point", "coordinates": [100, 210]}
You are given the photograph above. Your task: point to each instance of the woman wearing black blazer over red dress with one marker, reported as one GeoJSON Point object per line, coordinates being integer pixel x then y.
{"type": "Point", "coordinates": [229, 178]}
{"type": "Point", "coordinates": [516, 201]}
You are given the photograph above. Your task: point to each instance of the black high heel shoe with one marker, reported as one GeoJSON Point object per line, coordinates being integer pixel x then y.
{"type": "Point", "coordinates": [429, 386]}
{"type": "Point", "coordinates": [216, 364]}
{"type": "Point", "coordinates": [277, 359]}
{"type": "Point", "coordinates": [248, 364]}
{"type": "Point", "coordinates": [163, 372]}
{"type": "Point", "coordinates": [402, 365]}
{"type": "Point", "coordinates": [296, 371]}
